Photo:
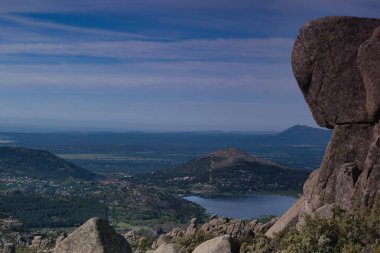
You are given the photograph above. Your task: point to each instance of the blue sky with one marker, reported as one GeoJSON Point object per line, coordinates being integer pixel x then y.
{"type": "Point", "coordinates": [166, 65]}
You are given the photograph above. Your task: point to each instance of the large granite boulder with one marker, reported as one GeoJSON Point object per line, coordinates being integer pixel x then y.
{"type": "Point", "coordinates": [95, 236]}
{"type": "Point", "coordinates": [324, 62]}
{"type": "Point", "coordinates": [336, 62]}
{"type": "Point", "coordinates": [290, 218]}
{"type": "Point", "coordinates": [369, 66]}
{"type": "Point", "coordinates": [221, 244]}
{"type": "Point", "coordinates": [167, 248]}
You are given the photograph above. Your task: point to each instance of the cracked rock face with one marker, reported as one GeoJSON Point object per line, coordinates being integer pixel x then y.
{"type": "Point", "coordinates": [324, 62]}
{"type": "Point", "coordinates": [369, 66]}
{"type": "Point", "coordinates": [336, 62]}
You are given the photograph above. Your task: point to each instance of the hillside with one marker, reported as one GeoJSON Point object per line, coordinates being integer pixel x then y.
{"type": "Point", "coordinates": [303, 135]}
{"type": "Point", "coordinates": [228, 171]}
{"type": "Point", "coordinates": [67, 204]}
{"type": "Point", "coordinates": [38, 164]}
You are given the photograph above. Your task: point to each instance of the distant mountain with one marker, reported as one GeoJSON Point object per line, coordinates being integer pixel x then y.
{"type": "Point", "coordinates": [39, 164]}
{"type": "Point", "coordinates": [228, 171]}
{"type": "Point", "coordinates": [300, 134]}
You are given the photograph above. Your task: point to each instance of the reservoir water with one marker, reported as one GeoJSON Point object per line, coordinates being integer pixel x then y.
{"type": "Point", "coordinates": [245, 207]}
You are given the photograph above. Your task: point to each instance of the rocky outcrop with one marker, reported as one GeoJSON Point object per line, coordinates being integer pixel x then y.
{"type": "Point", "coordinates": [134, 237]}
{"type": "Point", "coordinates": [9, 248]}
{"type": "Point", "coordinates": [94, 236]}
{"type": "Point", "coordinates": [336, 62]}
{"type": "Point", "coordinates": [369, 66]}
{"type": "Point", "coordinates": [192, 228]}
{"type": "Point", "coordinates": [167, 248]}
{"type": "Point", "coordinates": [233, 227]}
{"type": "Point", "coordinates": [290, 218]}
{"type": "Point", "coordinates": [221, 244]}
{"type": "Point", "coordinates": [39, 242]}
{"type": "Point", "coordinates": [168, 237]}
{"type": "Point", "coordinates": [9, 224]}
{"type": "Point", "coordinates": [324, 62]}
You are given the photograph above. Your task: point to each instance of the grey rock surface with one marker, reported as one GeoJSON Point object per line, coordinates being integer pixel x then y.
{"type": "Point", "coordinates": [95, 236]}
{"type": "Point", "coordinates": [9, 248]}
{"type": "Point", "coordinates": [221, 244]}
{"type": "Point", "coordinates": [290, 218]}
{"type": "Point", "coordinates": [369, 66]}
{"type": "Point", "coordinates": [234, 227]}
{"type": "Point", "coordinates": [324, 62]}
{"type": "Point", "coordinates": [336, 61]}
{"type": "Point", "coordinates": [168, 248]}
{"type": "Point", "coordinates": [192, 228]}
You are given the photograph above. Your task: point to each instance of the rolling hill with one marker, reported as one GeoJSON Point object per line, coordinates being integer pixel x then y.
{"type": "Point", "coordinates": [39, 164]}
{"type": "Point", "coordinates": [228, 171]}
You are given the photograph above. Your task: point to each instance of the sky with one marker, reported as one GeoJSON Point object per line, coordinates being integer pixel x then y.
{"type": "Point", "coordinates": [157, 65]}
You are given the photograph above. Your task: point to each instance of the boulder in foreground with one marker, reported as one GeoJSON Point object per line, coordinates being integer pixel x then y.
{"type": "Point", "coordinates": [95, 236]}
{"type": "Point", "coordinates": [167, 248]}
{"type": "Point", "coordinates": [221, 244]}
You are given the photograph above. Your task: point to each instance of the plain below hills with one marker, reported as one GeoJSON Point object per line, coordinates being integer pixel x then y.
{"type": "Point", "coordinates": [300, 147]}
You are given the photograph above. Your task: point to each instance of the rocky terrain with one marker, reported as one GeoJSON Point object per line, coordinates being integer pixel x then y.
{"type": "Point", "coordinates": [228, 171]}
{"type": "Point", "coordinates": [219, 234]}
{"type": "Point", "coordinates": [13, 234]}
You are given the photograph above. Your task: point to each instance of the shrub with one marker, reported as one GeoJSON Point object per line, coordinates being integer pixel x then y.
{"type": "Point", "coordinates": [189, 243]}
{"type": "Point", "coordinates": [344, 232]}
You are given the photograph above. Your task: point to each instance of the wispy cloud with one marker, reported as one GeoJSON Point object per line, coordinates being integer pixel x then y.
{"type": "Point", "coordinates": [206, 50]}
{"type": "Point", "coordinates": [32, 22]}
{"type": "Point", "coordinates": [179, 76]}
{"type": "Point", "coordinates": [200, 64]}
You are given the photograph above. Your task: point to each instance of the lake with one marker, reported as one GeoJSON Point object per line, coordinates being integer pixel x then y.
{"type": "Point", "coordinates": [245, 207]}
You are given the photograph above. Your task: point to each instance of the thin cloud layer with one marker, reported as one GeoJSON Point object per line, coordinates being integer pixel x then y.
{"type": "Point", "coordinates": [167, 64]}
{"type": "Point", "coordinates": [198, 50]}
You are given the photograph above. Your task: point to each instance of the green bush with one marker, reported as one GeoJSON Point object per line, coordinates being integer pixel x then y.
{"type": "Point", "coordinates": [260, 244]}
{"type": "Point", "coordinates": [343, 233]}
{"type": "Point", "coordinates": [189, 243]}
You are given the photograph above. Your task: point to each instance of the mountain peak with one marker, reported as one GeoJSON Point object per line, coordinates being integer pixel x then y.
{"type": "Point", "coordinates": [229, 152]}
{"type": "Point", "coordinates": [232, 156]}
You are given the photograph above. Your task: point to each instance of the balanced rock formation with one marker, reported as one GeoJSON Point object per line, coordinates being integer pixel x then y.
{"type": "Point", "coordinates": [325, 64]}
{"type": "Point", "coordinates": [94, 236]}
{"type": "Point", "coordinates": [192, 228]}
{"type": "Point", "coordinates": [336, 61]}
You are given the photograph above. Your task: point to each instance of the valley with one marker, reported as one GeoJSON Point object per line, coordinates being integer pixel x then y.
{"type": "Point", "coordinates": [131, 189]}
{"type": "Point", "coordinates": [149, 184]}
{"type": "Point", "coordinates": [299, 147]}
